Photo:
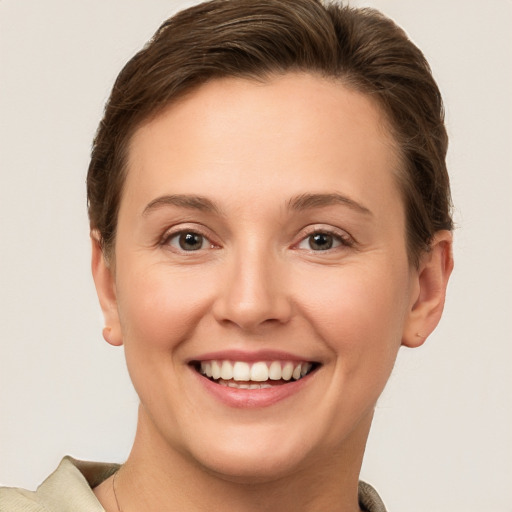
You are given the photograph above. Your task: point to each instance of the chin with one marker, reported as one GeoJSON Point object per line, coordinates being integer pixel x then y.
{"type": "Point", "coordinates": [244, 460]}
{"type": "Point", "coordinates": [251, 468]}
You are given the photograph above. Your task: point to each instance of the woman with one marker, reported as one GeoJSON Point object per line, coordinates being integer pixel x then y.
{"type": "Point", "coordinates": [270, 217]}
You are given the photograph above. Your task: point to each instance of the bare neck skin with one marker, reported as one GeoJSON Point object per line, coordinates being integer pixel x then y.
{"type": "Point", "coordinates": [157, 477]}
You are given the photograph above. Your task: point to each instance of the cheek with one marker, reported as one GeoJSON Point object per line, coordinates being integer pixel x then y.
{"type": "Point", "coordinates": [359, 312]}
{"type": "Point", "coordinates": [159, 311]}
{"type": "Point", "coordinates": [159, 308]}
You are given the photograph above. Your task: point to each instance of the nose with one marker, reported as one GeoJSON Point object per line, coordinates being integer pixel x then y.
{"type": "Point", "coordinates": [253, 291]}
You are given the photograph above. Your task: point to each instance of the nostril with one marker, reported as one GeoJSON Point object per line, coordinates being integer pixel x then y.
{"type": "Point", "coordinates": [253, 293]}
{"type": "Point", "coordinates": [253, 316]}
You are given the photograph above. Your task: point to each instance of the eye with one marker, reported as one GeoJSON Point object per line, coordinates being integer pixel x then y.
{"type": "Point", "coordinates": [322, 241]}
{"type": "Point", "coordinates": [188, 241]}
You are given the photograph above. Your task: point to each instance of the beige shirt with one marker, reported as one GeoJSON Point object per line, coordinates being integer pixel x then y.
{"type": "Point", "coordinates": [69, 489]}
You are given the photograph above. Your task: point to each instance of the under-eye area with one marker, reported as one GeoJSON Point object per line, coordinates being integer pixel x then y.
{"type": "Point", "coordinates": [254, 375]}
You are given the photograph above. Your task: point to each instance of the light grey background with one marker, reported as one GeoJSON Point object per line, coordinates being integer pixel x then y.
{"type": "Point", "coordinates": [441, 439]}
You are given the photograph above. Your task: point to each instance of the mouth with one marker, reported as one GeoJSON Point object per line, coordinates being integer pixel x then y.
{"type": "Point", "coordinates": [254, 375]}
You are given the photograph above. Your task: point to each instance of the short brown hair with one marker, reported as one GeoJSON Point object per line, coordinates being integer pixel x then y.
{"type": "Point", "coordinates": [259, 38]}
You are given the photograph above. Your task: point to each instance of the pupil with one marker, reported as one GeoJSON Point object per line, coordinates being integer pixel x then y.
{"type": "Point", "coordinates": [320, 241]}
{"type": "Point", "coordinates": [191, 241]}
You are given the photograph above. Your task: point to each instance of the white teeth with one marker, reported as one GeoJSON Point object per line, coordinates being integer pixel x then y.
{"type": "Point", "coordinates": [259, 372]}
{"type": "Point", "coordinates": [287, 371]}
{"type": "Point", "coordinates": [296, 372]}
{"type": "Point", "coordinates": [239, 385]}
{"type": "Point", "coordinates": [215, 370]}
{"type": "Point", "coordinates": [226, 371]}
{"type": "Point", "coordinates": [239, 374]}
{"type": "Point", "coordinates": [241, 371]}
{"type": "Point", "coordinates": [206, 368]}
{"type": "Point", "coordinates": [274, 371]}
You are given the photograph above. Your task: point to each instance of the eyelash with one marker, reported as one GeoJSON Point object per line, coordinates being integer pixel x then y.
{"type": "Point", "coordinates": [170, 235]}
{"type": "Point", "coordinates": [339, 239]}
{"type": "Point", "coordinates": [343, 239]}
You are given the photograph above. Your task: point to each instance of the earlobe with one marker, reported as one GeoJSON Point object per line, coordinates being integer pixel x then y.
{"type": "Point", "coordinates": [105, 288]}
{"type": "Point", "coordinates": [430, 290]}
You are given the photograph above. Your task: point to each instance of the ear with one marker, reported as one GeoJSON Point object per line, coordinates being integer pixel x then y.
{"type": "Point", "coordinates": [104, 281]}
{"type": "Point", "coordinates": [428, 299]}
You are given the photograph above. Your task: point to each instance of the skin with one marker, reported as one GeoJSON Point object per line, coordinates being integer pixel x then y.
{"type": "Point", "coordinates": [251, 149]}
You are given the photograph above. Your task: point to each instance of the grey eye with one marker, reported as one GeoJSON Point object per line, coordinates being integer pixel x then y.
{"type": "Point", "coordinates": [188, 241]}
{"type": "Point", "coordinates": [321, 241]}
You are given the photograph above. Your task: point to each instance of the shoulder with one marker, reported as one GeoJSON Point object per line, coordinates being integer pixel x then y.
{"type": "Point", "coordinates": [69, 487]}
{"type": "Point", "coordinates": [19, 500]}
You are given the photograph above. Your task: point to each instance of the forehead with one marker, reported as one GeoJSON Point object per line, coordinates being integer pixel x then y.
{"type": "Point", "coordinates": [294, 129]}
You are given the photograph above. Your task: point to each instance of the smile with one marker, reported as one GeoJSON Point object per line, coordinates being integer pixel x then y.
{"type": "Point", "coordinates": [254, 375]}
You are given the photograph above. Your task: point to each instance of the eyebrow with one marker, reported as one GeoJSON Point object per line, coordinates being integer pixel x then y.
{"type": "Point", "coordinates": [191, 202]}
{"type": "Point", "coordinates": [308, 201]}
{"type": "Point", "coordinates": [298, 203]}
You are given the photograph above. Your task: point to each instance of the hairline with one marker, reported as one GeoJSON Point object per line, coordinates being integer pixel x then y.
{"type": "Point", "coordinates": [265, 76]}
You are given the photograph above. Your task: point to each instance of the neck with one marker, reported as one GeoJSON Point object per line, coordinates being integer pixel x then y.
{"type": "Point", "coordinates": [158, 477]}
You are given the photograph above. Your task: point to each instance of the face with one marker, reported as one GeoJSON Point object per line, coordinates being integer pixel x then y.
{"type": "Point", "coordinates": [261, 284]}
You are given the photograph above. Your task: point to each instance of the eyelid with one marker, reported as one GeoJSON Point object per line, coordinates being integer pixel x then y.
{"type": "Point", "coordinates": [179, 229]}
{"type": "Point", "coordinates": [346, 240]}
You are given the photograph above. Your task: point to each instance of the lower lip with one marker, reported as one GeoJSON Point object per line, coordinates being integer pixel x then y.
{"type": "Point", "coordinates": [251, 398]}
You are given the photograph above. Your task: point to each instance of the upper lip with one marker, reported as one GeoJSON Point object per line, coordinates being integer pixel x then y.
{"type": "Point", "coordinates": [250, 356]}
